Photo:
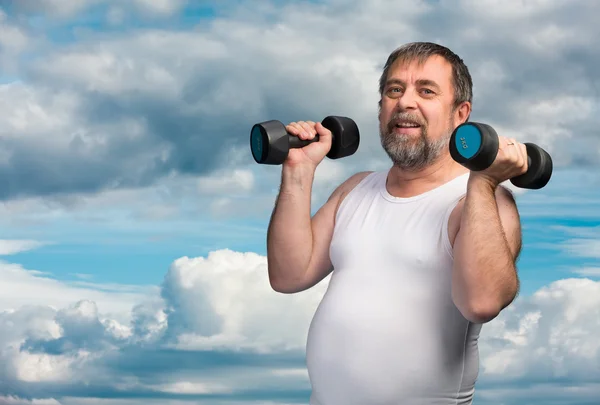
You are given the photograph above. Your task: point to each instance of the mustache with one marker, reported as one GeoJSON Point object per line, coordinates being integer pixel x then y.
{"type": "Point", "coordinates": [404, 116]}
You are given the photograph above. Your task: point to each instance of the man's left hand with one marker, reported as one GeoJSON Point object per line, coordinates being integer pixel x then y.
{"type": "Point", "coordinates": [511, 161]}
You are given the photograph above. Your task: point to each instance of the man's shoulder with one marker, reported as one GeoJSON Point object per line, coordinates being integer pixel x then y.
{"type": "Point", "coordinates": [356, 178]}
{"type": "Point", "coordinates": [350, 183]}
{"type": "Point", "coordinates": [346, 187]}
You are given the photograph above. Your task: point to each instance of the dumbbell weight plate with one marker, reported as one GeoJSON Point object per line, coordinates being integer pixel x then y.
{"type": "Point", "coordinates": [347, 130]}
{"type": "Point", "coordinates": [269, 142]}
{"type": "Point", "coordinates": [539, 169]}
{"type": "Point", "coordinates": [474, 145]}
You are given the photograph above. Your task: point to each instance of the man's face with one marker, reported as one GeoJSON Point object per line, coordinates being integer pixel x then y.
{"type": "Point", "coordinates": [417, 113]}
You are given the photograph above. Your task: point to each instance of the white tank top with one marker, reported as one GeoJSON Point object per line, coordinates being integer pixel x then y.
{"type": "Point", "coordinates": [387, 331]}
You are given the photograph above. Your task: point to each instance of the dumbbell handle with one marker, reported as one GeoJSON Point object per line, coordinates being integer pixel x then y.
{"type": "Point", "coordinates": [296, 142]}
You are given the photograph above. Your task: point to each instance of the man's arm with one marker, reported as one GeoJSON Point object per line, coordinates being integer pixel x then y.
{"type": "Point", "coordinates": [486, 248]}
{"type": "Point", "coordinates": [298, 245]}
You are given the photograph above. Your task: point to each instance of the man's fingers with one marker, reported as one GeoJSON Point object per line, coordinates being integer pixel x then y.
{"type": "Point", "coordinates": [309, 129]}
{"type": "Point", "coordinates": [292, 128]}
{"type": "Point", "coordinates": [299, 129]}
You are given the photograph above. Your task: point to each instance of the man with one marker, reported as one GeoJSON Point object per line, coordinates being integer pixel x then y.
{"type": "Point", "coordinates": [424, 253]}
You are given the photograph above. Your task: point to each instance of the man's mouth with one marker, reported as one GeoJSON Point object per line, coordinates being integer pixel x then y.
{"type": "Point", "coordinates": [407, 125]}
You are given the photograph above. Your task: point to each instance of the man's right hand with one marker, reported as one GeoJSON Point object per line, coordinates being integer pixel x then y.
{"type": "Point", "coordinates": [314, 153]}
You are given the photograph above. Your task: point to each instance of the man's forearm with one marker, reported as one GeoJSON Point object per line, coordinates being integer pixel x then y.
{"type": "Point", "coordinates": [484, 275]}
{"type": "Point", "coordinates": [289, 236]}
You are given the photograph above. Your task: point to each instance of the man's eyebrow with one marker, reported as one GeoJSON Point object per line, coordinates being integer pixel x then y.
{"type": "Point", "coordinates": [427, 82]}
{"type": "Point", "coordinates": [420, 82]}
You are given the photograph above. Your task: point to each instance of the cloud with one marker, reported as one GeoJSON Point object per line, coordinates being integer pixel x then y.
{"type": "Point", "coordinates": [56, 8]}
{"type": "Point", "coordinates": [218, 331]}
{"type": "Point", "coordinates": [583, 248]}
{"type": "Point", "coordinates": [13, 41]}
{"type": "Point", "coordinates": [238, 307]}
{"type": "Point", "coordinates": [64, 9]}
{"type": "Point", "coordinates": [21, 287]}
{"type": "Point", "coordinates": [549, 336]}
{"type": "Point", "coordinates": [11, 247]}
{"type": "Point", "coordinates": [11, 400]}
{"type": "Point", "coordinates": [581, 242]}
{"type": "Point", "coordinates": [140, 128]}
{"type": "Point", "coordinates": [159, 7]}
{"type": "Point", "coordinates": [588, 271]}
{"type": "Point", "coordinates": [227, 182]}
{"type": "Point", "coordinates": [129, 108]}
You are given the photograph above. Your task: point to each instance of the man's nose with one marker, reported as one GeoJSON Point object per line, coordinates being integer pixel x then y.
{"type": "Point", "coordinates": [408, 100]}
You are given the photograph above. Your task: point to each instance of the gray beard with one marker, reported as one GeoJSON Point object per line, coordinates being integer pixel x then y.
{"type": "Point", "coordinates": [409, 153]}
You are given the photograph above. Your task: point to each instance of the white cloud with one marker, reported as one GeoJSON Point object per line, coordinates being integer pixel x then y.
{"type": "Point", "coordinates": [21, 287]}
{"type": "Point", "coordinates": [178, 101]}
{"type": "Point", "coordinates": [70, 8]}
{"type": "Point", "coordinates": [550, 335]}
{"type": "Point", "coordinates": [222, 303]}
{"type": "Point", "coordinates": [11, 36]}
{"type": "Point", "coordinates": [57, 8]}
{"type": "Point", "coordinates": [582, 248]}
{"type": "Point", "coordinates": [12, 400]}
{"type": "Point", "coordinates": [13, 41]}
{"type": "Point", "coordinates": [504, 11]}
{"type": "Point", "coordinates": [11, 247]}
{"type": "Point", "coordinates": [584, 243]}
{"type": "Point", "coordinates": [588, 271]}
{"type": "Point", "coordinates": [189, 99]}
{"type": "Point", "coordinates": [227, 182]}
{"type": "Point", "coordinates": [232, 292]}
{"type": "Point", "coordinates": [160, 7]}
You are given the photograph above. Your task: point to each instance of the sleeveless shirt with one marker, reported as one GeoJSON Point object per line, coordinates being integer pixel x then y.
{"type": "Point", "coordinates": [386, 331]}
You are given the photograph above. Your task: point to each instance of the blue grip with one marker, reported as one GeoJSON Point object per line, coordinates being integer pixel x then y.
{"type": "Point", "coordinates": [467, 141]}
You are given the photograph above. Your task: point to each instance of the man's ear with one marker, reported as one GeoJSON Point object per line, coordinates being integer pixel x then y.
{"type": "Point", "coordinates": [462, 113]}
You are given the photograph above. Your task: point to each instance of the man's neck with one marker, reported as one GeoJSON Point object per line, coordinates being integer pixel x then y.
{"type": "Point", "coordinates": [406, 183]}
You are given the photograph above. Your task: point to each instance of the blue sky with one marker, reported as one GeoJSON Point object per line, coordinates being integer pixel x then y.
{"type": "Point", "coordinates": [134, 218]}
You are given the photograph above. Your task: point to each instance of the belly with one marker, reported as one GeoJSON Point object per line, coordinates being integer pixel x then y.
{"type": "Point", "coordinates": [379, 342]}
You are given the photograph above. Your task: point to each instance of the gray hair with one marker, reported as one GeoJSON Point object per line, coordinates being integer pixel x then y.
{"type": "Point", "coordinates": [421, 51]}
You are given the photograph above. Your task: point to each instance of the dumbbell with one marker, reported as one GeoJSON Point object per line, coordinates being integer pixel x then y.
{"type": "Point", "coordinates": [270, 143]}
{"type": "Point", "coordinates": [475, 146]}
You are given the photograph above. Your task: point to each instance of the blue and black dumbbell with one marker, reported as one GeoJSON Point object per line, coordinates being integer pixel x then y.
{"type": "Point", "coordinates": [270, 142]}
{"type": "Point", "coordinates": [475, 146]}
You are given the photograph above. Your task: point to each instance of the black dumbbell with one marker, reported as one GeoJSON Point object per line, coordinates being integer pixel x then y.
{"type": "Point", "coordinates": [270, 142]}
{"type": "Point", "coordinates": [475, 146]}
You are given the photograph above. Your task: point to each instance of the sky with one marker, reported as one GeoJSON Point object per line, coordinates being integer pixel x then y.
{"type": "Point", "coordinates": [133, 218]}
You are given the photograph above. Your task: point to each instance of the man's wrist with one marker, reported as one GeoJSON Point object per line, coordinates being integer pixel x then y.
{"type": "Point", "coordinates": [481, 182]}
{"type": "Point", "coordinates": [297, 177]}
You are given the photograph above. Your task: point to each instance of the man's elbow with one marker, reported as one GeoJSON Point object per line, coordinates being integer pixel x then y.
{"type": "Point", "coordinates": [283, 288]}
{"type": "Point", "coordinates": [485, 310]}
{"type": "Point", "coordinates": [481, 312]}
{"type": "Point", "coordinates": [285, 285]}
